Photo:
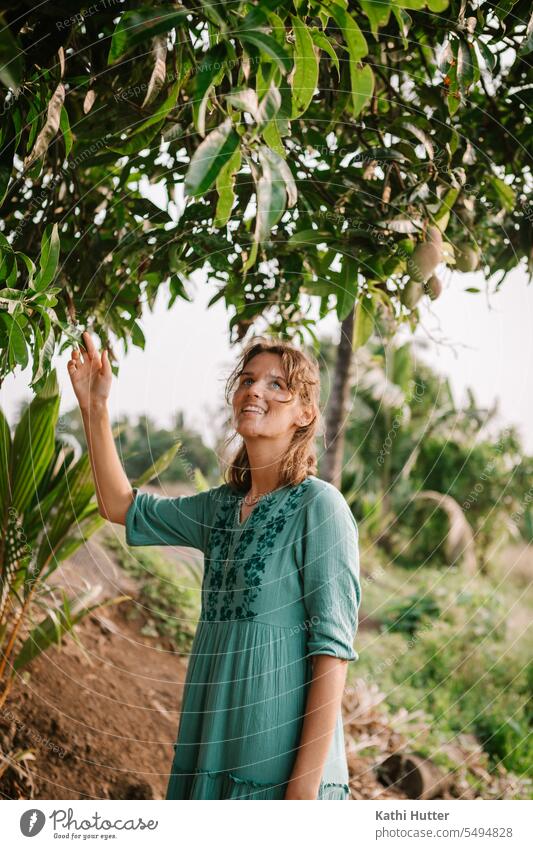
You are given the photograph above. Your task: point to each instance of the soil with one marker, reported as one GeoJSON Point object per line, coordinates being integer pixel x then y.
{"type": "Point", "coordinates": [111, 711]}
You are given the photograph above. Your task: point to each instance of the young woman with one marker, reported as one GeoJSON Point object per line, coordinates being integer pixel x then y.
{"type": "Point", "coordinates": [261, 712]}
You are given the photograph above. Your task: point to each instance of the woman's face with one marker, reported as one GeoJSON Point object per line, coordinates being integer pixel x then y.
{"type": "Point", "coordinates": [262, 403]}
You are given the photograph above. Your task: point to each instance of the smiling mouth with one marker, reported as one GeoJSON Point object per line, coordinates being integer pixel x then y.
{"type": "Point", "coordinates": [253, 410]}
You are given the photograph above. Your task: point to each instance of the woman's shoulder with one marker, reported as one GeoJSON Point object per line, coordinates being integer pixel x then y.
{"type": "Point", "coordinates": [323, 489]}
{"type": "Point", "coordinates": [324, 497]}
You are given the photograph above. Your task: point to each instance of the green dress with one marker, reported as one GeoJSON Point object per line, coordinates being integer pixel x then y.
{"type": "Point", "coordinates": [279, 587]}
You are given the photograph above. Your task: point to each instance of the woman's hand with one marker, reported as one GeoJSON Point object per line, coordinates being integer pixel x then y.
{"type": "Point", "coordinates": [90, 378]}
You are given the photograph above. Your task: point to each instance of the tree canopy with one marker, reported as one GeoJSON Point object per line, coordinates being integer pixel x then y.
{"type": "Point", "coordinates": [333, 150]}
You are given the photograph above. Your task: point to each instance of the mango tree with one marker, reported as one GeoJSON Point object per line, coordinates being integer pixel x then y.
{"type": "Point", "coordinates": [316, 156]}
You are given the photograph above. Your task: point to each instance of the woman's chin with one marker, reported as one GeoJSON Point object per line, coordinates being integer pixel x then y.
{"type": "Point", "coordinates": [249, 428]}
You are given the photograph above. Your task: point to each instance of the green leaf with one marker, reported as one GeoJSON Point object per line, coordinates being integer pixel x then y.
{"type": "Point", "coordinates": [347, 287]}
{"type": "Point", "coordinates": [504, 7]}
{"type": "Point", "coordinates": [362, 88]}
{"type": "Point", "coordinates": [454, 95]}
{"type": "Point", "coordinates": [7, 259]}
{"type": "Point", "coordinates": [64, 126]}
{"type": "Point", "coordinates": [527, 45]}
{"type": "Point", "coordinates": [213, 153]}
{"type": "Point", "coordinates": [285, 172]}
{"type": "Point", "coordinates": [143, 133]}
{"type": "Point", "coordinates": [71, 543]}
{"type": "Point", "coordinates": [323, 42]}
{"type": "Point", "coordinates": [488, 56]}
{"type": "Point", "coordinates": [69, 497]}
{"type": "Point", "coordinates": [404, 23]}
{"type": "Point", "coordinates": [17, 342]}
{"type": "Point", "coordinates": [244, 99]}
{"type": "Point", "coordinates": [357, 48]}
{"type": "Point", "coordinates": [364, 322]}
{"type": "Point", "coordinates": [5, 462]}
{"type": "Point", "coordinates": [442, 217]}
{"type": "Point", "coordinates": [33, 444]}
{"type": "Point", "coordinates": [11, 278]}
{"type": "Point", "coordinates": [419, 134]}
{"type": "Point", "coordinates": [50, 247]}
{"type": "Point", "coordinates": [226, 194]}
{"type": "Point", "coordinates": [213, 14]}
{"type": "Point", "coordinates": [30, 267]}
{"type": "Point", "coordinates": [137, 335]}
{"type": "Point", "coordinates": [273, 139]}
{"type": "Point", "coordinates": [10, 139]}
{"type": "Point", "coordinates": [410, 4]}
{"type": "Point", "coordinates": [310, 237]}
{"type": "Point", "coordinates": [251, 258]}
{"type": "Point", "coordinates": [61, 621]}
{"type": "Point", "coordinates": [504, 192]}
{"type": "Point", "coordinates": [267, 45]}
{"type": "Point", "coordinates": [305, 77]}
{"type": "Point", "coordinates": [12, 297]}
{"type": "Point", "coordinates": [209, 73]}
{"type": "Point", "coordinates": [11, 53]}
{"type": "Point", "coordinates": [159, 466]}
{"type": "Point", "coordinates": [268, 107]}
{"type": "Point", "coordinates": [437, 5]}
{"type": "Point", "coordinates": [454, 102]}
{"type": "Point", "coordinates": [354, 38]}
{"type": "Point", "coordinates": [139, 25]}
{"type": "Point", "coordinates": [465, 64]}
{"type": "Point", "coordinates": [377, 12]}
{"type": "Point", "coordinates": [42, 355]}
{"type": "Point", "coordinates": [271, 194]}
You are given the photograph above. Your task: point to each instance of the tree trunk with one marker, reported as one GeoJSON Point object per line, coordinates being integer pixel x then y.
{"type": "Point", "coordinates": [418, 777]}
{"type": "Point", "coordinates": [338, 405]}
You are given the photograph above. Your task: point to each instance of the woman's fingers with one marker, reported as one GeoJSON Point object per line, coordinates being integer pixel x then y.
{"type": "Point", "coordinates": [106, 367]}
{"type": "Point", "coordinates": [89, 344]}
{"type": "Point", "coordinates": [92, 353]}
{"type": "Point", "coordinates": [76, 357]}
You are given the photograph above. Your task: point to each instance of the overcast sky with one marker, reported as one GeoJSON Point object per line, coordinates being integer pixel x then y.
{"type": "Point", "coordinates": [485, 344]}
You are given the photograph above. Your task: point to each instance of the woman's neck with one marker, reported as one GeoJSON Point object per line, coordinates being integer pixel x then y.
{"type": "Point", "coordinates": [265, 462]}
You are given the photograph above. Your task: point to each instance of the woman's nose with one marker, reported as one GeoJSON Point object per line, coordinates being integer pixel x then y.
{"type": "Point", "coordinates": [254, 391]}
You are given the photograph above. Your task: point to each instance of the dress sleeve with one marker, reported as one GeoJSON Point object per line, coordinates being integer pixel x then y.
{"type": "Point", "coordinates": [159, 520]}
{"type": "Point", "coordinates": [331, 582]}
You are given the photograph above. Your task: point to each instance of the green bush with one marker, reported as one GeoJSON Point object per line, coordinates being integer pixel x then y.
{"type": "Point", "coordinates": [507, 740]}
{"type": "Point", "coordinates": [459, 668]}
{"type": "Point", "coordinates": [408, 615]}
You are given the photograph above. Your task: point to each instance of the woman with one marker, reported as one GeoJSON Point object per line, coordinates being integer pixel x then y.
{"type": "Point", "coordinates": [261, 712]}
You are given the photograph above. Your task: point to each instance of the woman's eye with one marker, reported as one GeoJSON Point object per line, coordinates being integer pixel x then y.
{"type": "Point", "coordinates": [276, 383]}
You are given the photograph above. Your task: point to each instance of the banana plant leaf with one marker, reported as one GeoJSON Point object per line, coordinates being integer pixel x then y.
{"type": "Point", "coordinates": [60, 622]}
{"type": "Point", "coordinates": [34, 444]}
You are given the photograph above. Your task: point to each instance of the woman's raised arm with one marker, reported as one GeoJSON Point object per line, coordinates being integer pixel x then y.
{"type": "Point", "coordinates": [91, 378]}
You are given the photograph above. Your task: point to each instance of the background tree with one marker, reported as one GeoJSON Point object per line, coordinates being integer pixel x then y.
{"type": "Point", "coordinates": [433, 482]}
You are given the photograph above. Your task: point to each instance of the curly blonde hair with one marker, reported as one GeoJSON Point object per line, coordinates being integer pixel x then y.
{"type": "Point", "coordinates": [302, 374]}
